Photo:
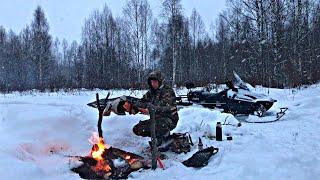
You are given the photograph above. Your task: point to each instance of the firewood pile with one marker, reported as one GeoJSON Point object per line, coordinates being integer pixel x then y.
{"type": "Point", "coordinates": [115, 164]}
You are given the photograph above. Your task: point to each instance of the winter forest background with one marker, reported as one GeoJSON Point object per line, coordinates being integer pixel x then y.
{"type": "Point", "coordinates": [274, 43]}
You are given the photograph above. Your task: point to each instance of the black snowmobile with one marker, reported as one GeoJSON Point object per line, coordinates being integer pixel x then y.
{"type": "Point", "coordinates": [237, 98]}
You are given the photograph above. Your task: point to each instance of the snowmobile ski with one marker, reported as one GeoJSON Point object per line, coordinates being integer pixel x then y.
{"type": "Point", "coordinates": [279, 115]}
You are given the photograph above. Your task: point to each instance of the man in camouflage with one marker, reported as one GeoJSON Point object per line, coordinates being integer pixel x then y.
{"type": "Point", "coordinates": [163, 99]}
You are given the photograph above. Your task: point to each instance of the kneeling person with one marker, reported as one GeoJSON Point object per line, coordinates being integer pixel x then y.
{"type": "Point", "coordinates": [163, 98]}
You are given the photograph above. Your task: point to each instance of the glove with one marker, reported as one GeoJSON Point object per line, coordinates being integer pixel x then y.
{"type": "Point", "coordinates": [134, 109]}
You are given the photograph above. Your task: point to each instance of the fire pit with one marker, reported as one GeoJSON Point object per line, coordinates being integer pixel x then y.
{"type": "Point", "coordinates": [109, 163]}
{"type": "Point", "coordinates": [105, 162]}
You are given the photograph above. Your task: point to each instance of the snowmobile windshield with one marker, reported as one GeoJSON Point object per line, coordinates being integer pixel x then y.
{"type": "Point", "coordinates": [237, 81]}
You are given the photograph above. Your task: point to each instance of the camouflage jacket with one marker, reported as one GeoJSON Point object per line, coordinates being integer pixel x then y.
{"type": "Point", "coordinates": [163, 100]}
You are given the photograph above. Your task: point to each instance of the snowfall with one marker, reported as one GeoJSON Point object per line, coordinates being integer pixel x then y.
{"type": "Point", "coordinates": [40, 130]}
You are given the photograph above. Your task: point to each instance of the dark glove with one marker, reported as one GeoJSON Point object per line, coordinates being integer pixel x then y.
{"type": "Point", "coordinates": [134, 109]}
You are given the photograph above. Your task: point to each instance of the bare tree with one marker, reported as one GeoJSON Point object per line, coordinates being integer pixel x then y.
{"type": "Point", "coordinates": [41, 48]}
{"type": "Point", "coordinates": [172, 10]}
{"type": "Point", "coordinates": [197, 31]}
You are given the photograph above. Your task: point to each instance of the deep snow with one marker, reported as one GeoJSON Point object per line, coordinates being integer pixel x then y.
{"type": "Point", "coordinates": [37, 129]}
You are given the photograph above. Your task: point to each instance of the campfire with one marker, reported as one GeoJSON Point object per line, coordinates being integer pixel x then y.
{"type": "Point", "coordinates": [105, 162]}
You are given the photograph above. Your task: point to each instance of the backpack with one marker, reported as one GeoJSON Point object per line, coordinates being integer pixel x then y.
{"type": "Point", "coordinates": [181, 142]}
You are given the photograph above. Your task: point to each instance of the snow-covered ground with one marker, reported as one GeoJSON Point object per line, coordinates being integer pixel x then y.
{"type": "Point", "coordinates": [38, 129]}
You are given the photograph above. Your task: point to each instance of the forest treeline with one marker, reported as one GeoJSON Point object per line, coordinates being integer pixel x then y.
{"type": "Point", "coordinates": [274, 43]}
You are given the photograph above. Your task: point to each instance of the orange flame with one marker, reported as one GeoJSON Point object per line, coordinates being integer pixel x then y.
{"type": "Point", "coordinates": [98, 149]}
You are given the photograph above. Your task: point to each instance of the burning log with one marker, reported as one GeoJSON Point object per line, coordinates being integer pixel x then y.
{"type": "Point", "coordinates": [115, 164]}
{"type": "Point", "coordinates": [109, 163]}
{"type": "Point", "coordinates": [88, 171]}
{"type": "Point", "coordinates": [136, 162]}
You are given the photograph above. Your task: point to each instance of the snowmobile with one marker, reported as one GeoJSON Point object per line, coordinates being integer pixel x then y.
{"type": "Point", "coordinates": [237, 98]}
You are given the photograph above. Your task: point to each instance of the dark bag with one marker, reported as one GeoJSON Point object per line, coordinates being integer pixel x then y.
{"type": "Point", "coordinates": [201, 158]}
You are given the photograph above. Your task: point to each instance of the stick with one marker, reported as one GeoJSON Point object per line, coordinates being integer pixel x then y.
{"type": "Point", "coordinates": [100, 116]}
{"type": "Point", "coordinates": [100, 109]}
{"type": "Point", "coordinates": [154, 148]}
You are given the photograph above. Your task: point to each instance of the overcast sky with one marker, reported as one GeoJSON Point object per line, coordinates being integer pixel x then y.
{"type": "Point", "coordinates": [66, 17]}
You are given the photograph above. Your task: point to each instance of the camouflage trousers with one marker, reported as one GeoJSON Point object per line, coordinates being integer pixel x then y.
{"type": "Point", "coordinates": [163, 127]}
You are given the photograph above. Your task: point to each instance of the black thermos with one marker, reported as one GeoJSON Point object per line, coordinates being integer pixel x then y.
{"type": "Point", "coordinates": [218, 131]}
{"type": "Point", "coordinates": [200, 145]}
